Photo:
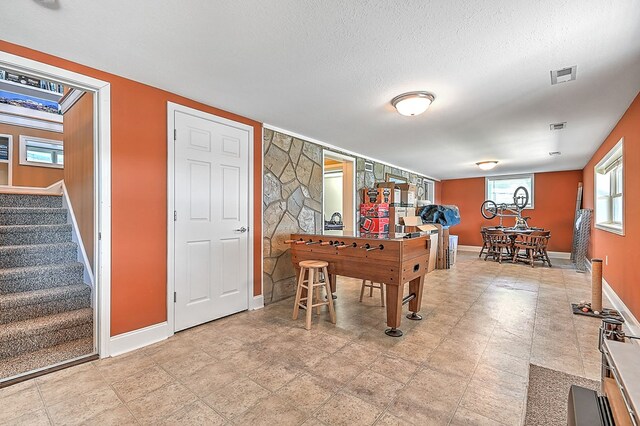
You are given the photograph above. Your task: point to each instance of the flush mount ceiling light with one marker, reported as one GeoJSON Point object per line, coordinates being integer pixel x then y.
{"type": "Point", "coordinates": [412, 103]}
{"type": "Point", "coordinates": [487, 165]}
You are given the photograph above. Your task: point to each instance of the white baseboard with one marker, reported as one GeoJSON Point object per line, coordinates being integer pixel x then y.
{"type": "Point", "coordinates": [552, 254]}
{"type": "Point", "coordinates": [559, 255]}
{"type": "Point", "coordinates": [256, 303]}
{"type": "Point", "coordinates": [469, 248]}
{"type": "Point", "coordinates": [631, 322]}
{"type": "Point", "coordinates": [136, 339]}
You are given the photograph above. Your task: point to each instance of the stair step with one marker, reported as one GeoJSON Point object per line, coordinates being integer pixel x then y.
{"type": "Point", "coordinates": [17, 338]}
{"type": "Point", "coordinates": [39, 254]}
{"type": "Point", "coordinates": [33, 304]}
{"type": "Point", "coordinates": [27, 200]}
{"type": "Point", "coordinates": [17, 235]}
{"type": "Point", "coordinates": [32, 216]}
{"type": "Point", "coordinates": [28, 362]}
{"type": "Point", "coordinates": [16, 280]}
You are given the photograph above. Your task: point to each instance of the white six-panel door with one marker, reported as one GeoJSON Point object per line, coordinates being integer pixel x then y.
{"type": "Point", "coordinates": [211, 193]}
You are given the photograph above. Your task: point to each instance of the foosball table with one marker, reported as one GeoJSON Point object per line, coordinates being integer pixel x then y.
{"type": "Point", "coordinates": [392, 261]}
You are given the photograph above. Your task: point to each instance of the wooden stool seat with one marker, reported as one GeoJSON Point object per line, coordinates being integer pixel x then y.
{"type": "Point", "coordinates": [313, 285]}
{"type": "Point", "coordinates": [313, 264]}
{"type": "Point", "coordinates": [371, 285]}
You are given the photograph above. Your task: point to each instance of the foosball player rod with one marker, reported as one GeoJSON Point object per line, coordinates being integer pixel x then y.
{"type": "Point", "coordinates": [326, 243]}
{"type": "Point", "coordinates": [380, 247]}
{"type": "Point", "coordinates": [300, 241]}
{"type": "Point", "coordinates": [313, 242]}
{"type": "Point", "coordinates": [343, 245]}
{"type": "Point", "coordinates": [366, 246]}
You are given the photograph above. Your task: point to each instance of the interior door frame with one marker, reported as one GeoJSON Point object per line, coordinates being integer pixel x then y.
{"type": "Point", "coordinates": [172, 108]}
{"type": "Point", "coordinates": [336, 155]}
{"type": "Point", "coordinates": [102, 182]}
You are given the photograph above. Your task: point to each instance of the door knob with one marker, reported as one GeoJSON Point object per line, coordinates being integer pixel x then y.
{"type": "Point", "coordinates": [243, 229]}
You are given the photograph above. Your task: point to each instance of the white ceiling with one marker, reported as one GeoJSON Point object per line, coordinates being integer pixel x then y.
{"type": "Point", "coordinates": [328, 69]}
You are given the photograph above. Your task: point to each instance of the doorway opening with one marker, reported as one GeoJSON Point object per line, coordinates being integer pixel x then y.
{"type": "Point", "coordinates": [339, 194]}
{"type": "Point", "coordinates": [54, 128]}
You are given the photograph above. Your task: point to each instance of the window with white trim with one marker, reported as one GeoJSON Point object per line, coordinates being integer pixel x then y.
{"type": "Point", "coordinates": [429, 190]}
{"type": "Point", "coordinates": [609, 189]}
{"type": "Point", "coordinates": [41, 152]}
{"type": "Point", "coordinates": [500, 189]}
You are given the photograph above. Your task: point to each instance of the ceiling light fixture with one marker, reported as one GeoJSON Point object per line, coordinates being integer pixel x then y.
{"type": "Point", "coordinates": [412, 103]}
{"type": "Point", "coordinates": [487, 165]}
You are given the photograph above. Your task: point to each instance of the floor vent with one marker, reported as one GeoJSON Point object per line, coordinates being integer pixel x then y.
{"type": "Point", "coordinates": [563, 75]}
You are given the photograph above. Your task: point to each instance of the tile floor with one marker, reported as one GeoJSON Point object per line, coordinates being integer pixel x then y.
{"type": "Point", "coordinates": [466, 363]}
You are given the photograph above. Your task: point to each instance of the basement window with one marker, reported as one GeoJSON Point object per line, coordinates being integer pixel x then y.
{"type": "Point", "coordinates": [430, 190]}
{"type": "Point", "coordinates": [500, 189]}
{"type": "Point", "coordinates": [41, 152]}
{"type": "Point", "coordinates": [609, 188]}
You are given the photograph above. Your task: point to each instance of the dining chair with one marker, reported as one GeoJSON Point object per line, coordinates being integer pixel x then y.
{"type": "Point", "coordinates": [499, 245]}
{"type": "Point", "coordinates": [541, 253]}
{"type": "Point", "coordinates": [534, 247]}
{"type": "Point", "coordinates": [485, 240]}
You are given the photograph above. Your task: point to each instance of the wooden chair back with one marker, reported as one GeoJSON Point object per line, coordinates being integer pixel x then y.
{"type": "Point", "coordinates": [532, 240]}
{"type": "Point", "coordinates": [497, 236]}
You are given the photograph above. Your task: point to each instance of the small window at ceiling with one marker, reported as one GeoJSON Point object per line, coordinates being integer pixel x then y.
{"type": "Point", "coordinates": [609, 190]}
{"type": "Point", "coordinates": [500, 189]}
{"type": "Point", "coordinates": [41, 152]}
{"type": "Point", "coordinates": [429, 190]}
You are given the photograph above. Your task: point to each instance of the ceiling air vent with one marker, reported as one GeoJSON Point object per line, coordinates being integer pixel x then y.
{"type": "Point", "coordinates": [554, 153]}
{"type": "Point", "coordinates": [563, 75]}
{"type": "Point", "coordinates": [558, 126]}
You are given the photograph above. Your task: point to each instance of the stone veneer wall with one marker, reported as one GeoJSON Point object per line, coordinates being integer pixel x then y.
{"type": "Point", "coordinates": [292, 203]}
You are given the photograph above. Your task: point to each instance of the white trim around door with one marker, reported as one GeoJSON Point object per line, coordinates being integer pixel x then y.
{"type": "Point", "coordinates": [102, 182]}
{"type": "Point", "coordinates": [172, 108]}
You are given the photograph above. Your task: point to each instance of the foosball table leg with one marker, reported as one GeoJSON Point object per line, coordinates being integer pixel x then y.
{"type": "Point", "coordinates": [394, 310]}
{"type": "Point", "coordinates": [393, 332]}
{"type": "Point", "coordinates": [415, 287]}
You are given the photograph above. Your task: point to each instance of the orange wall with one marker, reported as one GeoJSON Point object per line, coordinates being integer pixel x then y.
{"type": "Point", "coordinates": [139, 193]}
{"type": "Point", "coordinates": [622, 271]}
{"type": "Point", "coordinates": [555, 203]}
{"type": "Point", "coordinates": [437, 193]}
{"type": "Point", "coordinates": [40, 177]}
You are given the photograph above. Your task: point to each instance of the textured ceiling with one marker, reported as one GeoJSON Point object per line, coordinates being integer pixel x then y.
{"type": "Point", "coordinates": [328, 69]}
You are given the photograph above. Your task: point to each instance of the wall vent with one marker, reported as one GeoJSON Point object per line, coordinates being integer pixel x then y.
{"type": "Point", "coordinates": [554, 153]}
{"type": "Point", "coordinates": [558, 126]}
{"type": "Point", "coordinates": [563, 75]}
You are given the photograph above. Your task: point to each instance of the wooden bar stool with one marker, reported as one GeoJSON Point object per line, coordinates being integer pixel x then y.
{"type": "Point", "coordinates": [371, 286]}
{"type": "Point", "coordinates": [312, 284]}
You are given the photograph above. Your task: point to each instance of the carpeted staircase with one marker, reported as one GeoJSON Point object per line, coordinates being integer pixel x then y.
{"type": "Point", "coordinates": [45, 306]}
